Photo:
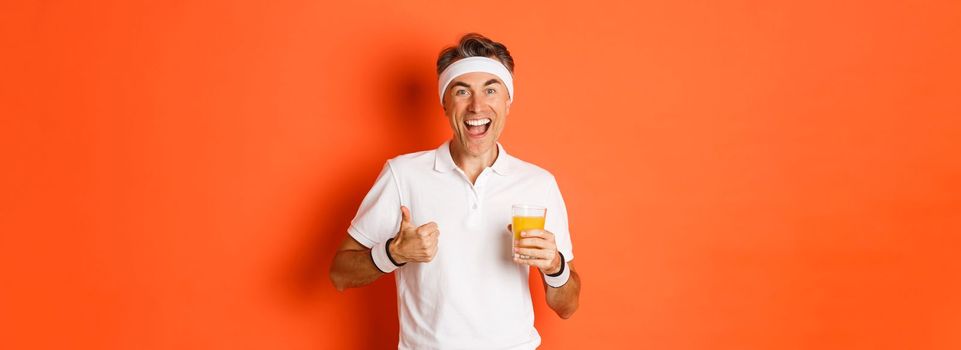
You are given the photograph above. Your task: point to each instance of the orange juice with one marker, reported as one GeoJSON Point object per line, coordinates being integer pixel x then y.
{"type": "Point", "coordinates": [522, 223]}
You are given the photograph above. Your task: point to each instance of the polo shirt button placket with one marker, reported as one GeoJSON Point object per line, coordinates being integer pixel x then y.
{"type": "Point", "coordinates": [475, 200]}
{"type": "Point", "coordinates": [479, 188]}
{"type": "Point", "coordinates": [476, 195]}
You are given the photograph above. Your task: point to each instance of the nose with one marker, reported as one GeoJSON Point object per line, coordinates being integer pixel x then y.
{"type": "Point", "coordinates": [475, 104]}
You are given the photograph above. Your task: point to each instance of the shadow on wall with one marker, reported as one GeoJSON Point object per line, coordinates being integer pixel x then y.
{"type": "Point", "coordinates": [409, 114]}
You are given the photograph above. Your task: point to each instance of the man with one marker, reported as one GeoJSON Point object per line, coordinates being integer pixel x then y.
{"type": "Point", "coordinates": [440, 221]}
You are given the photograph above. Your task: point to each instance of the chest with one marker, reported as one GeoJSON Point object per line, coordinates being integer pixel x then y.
{"type": "Point", "coordinates": [472, 218]}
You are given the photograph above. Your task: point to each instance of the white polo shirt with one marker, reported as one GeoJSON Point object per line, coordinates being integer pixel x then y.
{"type": "Point", "coordinates": [471, 295]}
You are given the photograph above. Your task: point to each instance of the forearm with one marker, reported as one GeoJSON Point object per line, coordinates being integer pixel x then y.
{"type": "Point", "coordinates": [564, 299]}
{"type": "Point", "coordinates": [353, 268]}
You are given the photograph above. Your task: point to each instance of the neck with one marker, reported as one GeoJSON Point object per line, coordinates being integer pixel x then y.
{"type": "Point", "coordinates": [472, 164]}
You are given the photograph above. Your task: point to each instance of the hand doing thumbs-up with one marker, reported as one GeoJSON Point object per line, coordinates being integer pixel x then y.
{"type": "Point", "coordinates": [417, 244]}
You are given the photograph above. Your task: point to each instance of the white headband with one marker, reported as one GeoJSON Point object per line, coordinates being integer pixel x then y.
{"type": "Point", "coordinates": [471, 65]}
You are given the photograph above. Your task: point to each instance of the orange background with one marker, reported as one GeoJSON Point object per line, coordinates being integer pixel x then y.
{"type": "Point", "coordinates": [739, 174]}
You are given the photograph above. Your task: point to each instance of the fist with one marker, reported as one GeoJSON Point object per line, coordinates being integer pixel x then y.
{"type": "Point", "coordinates": [417, 244]}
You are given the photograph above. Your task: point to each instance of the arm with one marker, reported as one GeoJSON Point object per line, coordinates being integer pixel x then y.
{"type": "Point", "coordinates": [353, 265]}
{"type": "Point", "coordinates": [564, 300]}
{"type": "Point", "coordinates": [537, 248]}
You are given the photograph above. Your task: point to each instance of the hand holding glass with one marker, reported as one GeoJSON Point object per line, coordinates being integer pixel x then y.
{"type": "Point", "coordinates": [526, 217]}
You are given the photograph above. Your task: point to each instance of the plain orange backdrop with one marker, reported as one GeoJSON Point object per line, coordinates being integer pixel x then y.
{"type": "Point", "coordinates": [738, 174]}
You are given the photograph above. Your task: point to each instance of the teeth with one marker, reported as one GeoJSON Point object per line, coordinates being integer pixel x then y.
{"type": "Point", "coordinates": [478, 122]}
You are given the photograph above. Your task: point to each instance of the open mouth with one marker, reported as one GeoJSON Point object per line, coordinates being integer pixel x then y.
{"type": "Point", "coordinates": [477, 127]}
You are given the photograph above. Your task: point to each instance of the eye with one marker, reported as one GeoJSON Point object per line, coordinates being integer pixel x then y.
{"type": "Point", "coordinates": [491, 91]}
{"type": "Point", "coordinates": [460, 92]}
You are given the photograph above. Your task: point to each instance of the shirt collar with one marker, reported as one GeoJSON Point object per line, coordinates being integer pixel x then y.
{"type": "Point", "coordinates": [443, 161]}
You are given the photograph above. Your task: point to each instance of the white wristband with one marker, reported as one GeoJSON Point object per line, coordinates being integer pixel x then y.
{"type": "Point", "coordinates": [382, 260]}
{"type": "Point", "coordinates": [559, 280]}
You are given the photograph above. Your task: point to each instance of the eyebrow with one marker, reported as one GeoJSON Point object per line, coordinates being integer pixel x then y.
{"type": "Point", "coordinates": [489, 82]}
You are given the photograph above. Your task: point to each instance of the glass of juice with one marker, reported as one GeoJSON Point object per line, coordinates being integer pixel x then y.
{"type": "Point", "coordinates": [526, 217]}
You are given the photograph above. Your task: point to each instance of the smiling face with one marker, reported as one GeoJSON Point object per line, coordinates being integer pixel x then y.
{"type": "Point", "coordinates": [476, 104]}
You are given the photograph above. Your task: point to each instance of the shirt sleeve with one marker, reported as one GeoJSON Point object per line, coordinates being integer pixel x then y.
{"type": "Point", "coordinates": [557, 221]}
{"type": "Point", "coordinates": [378, 217]}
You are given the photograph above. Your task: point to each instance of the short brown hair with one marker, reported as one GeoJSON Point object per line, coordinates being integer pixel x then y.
{"type": "Point", "coordinates": [471, 45]}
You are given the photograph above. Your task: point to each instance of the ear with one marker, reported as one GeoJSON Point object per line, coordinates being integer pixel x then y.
{"type": "Point", "coordinates": [508, 103]}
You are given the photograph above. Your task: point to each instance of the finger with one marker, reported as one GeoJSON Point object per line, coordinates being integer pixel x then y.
{"type": "Point", "coordinates": [531, 262]}
{"type": "Point", "coordinates": [538, 233]}
{"type": "Point", "coordinates": [522, 259]}
{"type": "Point", "coordinates": [533, 243]}
{"type": "Point", "coordinates": [427, 229]}
{"type": "Point", "coordinates": [428, 248]}
{"type": "Point", "coordinates": [533, 253]}
{"type": "Point", "coordinates": [431, 236]}
{"type": "Point", "coordinates": [405, 215]}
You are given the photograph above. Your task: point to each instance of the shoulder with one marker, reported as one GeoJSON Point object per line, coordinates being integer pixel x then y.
{"type": "Point", "coordinates": [530, 170]}
{"type": "Point", "coordinates": [412, 162]}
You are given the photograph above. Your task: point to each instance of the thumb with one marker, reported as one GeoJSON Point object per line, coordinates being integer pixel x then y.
{"type": "Point", "coordinates": [405, 215]}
